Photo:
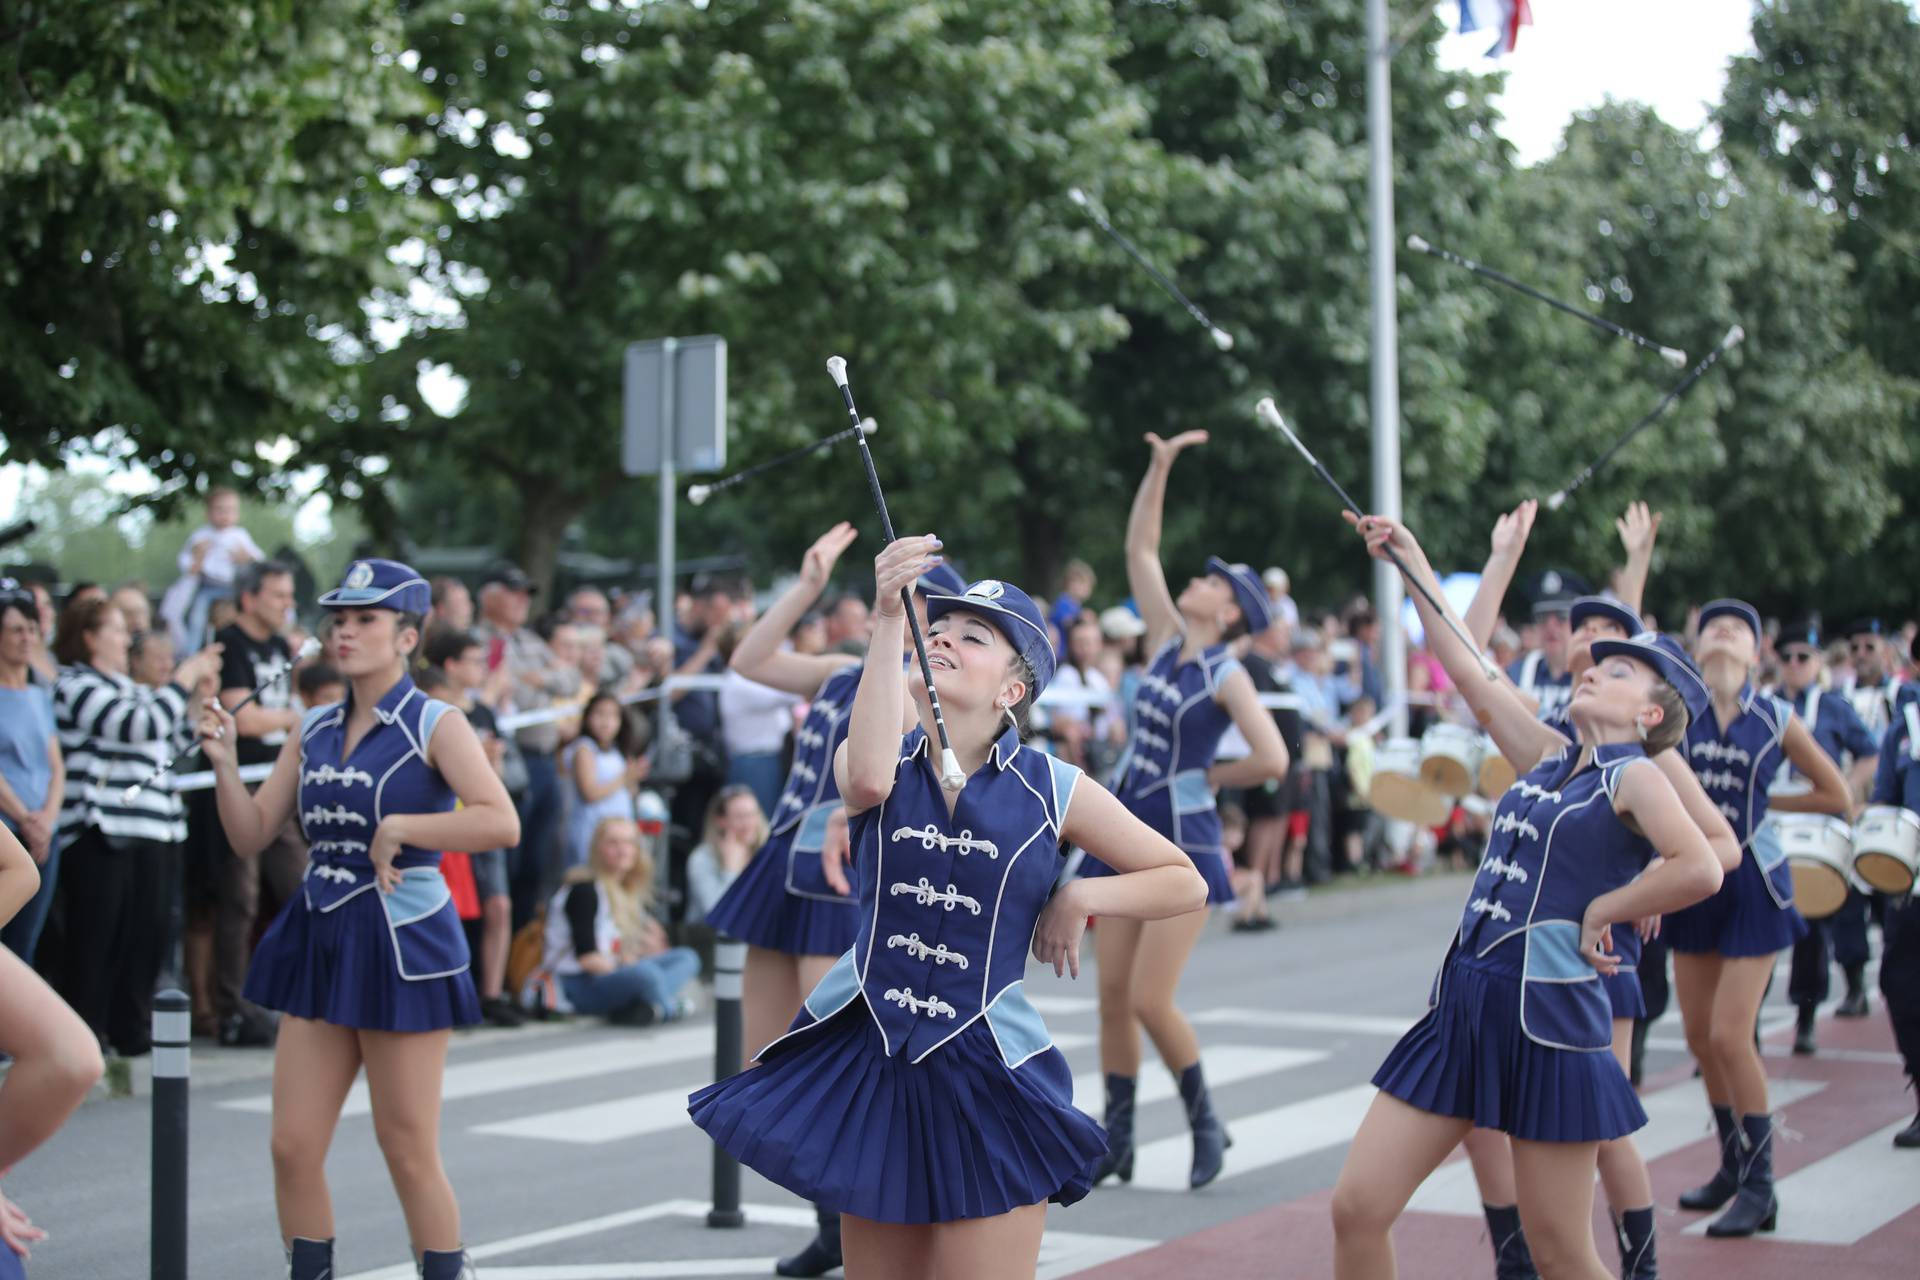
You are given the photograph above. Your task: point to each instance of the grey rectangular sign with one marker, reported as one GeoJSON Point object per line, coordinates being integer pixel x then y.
{"type": "Point", "coordinates": [696, 421]}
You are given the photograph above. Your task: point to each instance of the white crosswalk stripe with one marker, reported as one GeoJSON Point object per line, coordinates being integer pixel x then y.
{"type": "Point", "coordinates": [1847, 1196]}
{"type": "Point", "coordinates": [1225, 1064]}
{"type": "Point", "coordinates": [1261, 1139]}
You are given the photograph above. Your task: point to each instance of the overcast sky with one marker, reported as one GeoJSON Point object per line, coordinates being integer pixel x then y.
{"type": "Point", "coordinates": [1670, 53]}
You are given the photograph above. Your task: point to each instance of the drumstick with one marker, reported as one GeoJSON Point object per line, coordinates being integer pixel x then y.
{"type": "Point", "coordinates": [1270, 414]}
{"type": "Point", "coordinates": [952, 776]}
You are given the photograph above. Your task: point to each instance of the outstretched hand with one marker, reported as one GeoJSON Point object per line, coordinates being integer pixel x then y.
{"type": "Point", "coordinates": [1637, 528]}
{"type": "Point", "coordinates": [1511, 530]}
{"type": "Point", "coordinates": [816, 567]}
{"type": "Point", "coordinates": [1165, 451]}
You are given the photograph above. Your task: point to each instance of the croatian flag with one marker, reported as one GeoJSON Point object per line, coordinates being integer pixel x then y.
{"type": "Point", "coordinates": [1503, 17]}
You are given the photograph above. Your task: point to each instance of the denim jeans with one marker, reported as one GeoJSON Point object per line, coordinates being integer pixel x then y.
{"type": "Point", "coordinates": [655, 980]}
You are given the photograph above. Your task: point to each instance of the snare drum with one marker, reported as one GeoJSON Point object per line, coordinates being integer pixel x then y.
{"type": "Point", "coordinates": [1819, 852]}
{"type": "Point", "coordinates": [1450, 758]}
{"type": "Point", "coordinates": [1886, 848]}
{"type": "Point", "coordinates": [1497, 773]}
{"type": "Point", "coordinates": [1397, 790]}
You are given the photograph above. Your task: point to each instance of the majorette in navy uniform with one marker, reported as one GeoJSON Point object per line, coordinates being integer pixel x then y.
{"type": "Point", "coordinates": [372, 942]}
{"type": "Point", "coordinates": [1519, 1033]}
{"type": "Point", "coordinates": [1736, 762]}
{"type": "Point", "coordinates": [1723, 948]}
{"type": "Point", "coordinates": [1173, 729]}
{"type": "Point", "coordinates": [1192, 691]}
{"type": "Point", "coordinates": [918, 1084]}
{"type": "Point", "coordinates": [1898, 782]}
{"type": "Point", "coordinates": [1839, 731]}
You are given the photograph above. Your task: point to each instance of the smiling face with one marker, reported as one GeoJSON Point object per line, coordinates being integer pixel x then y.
{"type": "Point", "coordinates": [974, 666]}
{"type": "Point", "coordinates": [368, 642]}
{"type": "Point", "coordinates": [1208, 601]}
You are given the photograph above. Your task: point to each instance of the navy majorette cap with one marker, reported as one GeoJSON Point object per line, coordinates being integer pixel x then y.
{"type": "Point", "coordinates": [1738, 608]}
{"type": "Point", "coordinates": [1013, 613]}
{"type": "Point", "coordinates": [380, 584]}
{"type": "Point", "coordinates": [1866, 627]}
{"type": "Point", "coordinates": [1667, 656]}
{"type": "Point", "coordinates": [1804, 631]}
{"type": "Point", "coordinates": [1604, 607]}
{"type": "Point", "coordinates": [1248, 592]}
{"type": "Point", "coordinates": [942, 579]}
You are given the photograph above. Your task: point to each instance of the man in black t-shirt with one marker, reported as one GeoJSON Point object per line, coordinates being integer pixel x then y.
{"type": "Point", "coordinates": [256, 653]}
{"type": "Point", "coordinates": [1270, 807]}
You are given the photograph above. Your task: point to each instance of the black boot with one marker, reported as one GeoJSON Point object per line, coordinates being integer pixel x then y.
{"type": "Point", "coordinates": [1855, 1005]}
{"type": "Point", "coordinates": [1634, 1230]}
{"type": "Point", "coordinates": [1511, 1260]}
{"type": "Point", "coordinates": [446, 1264]}
{"type": "Point", "coordinates": [1637, 1051]}
{"type": "Point", "coordinates": [1909, 1137]}
{"type": "Point", "coordinates": [1118, 1162]}
{"type": "Point", "coordinates": [1721, 1187]}
{"type": "Point", "coordinates": [310, 1259]}
{"type": "Point", "coordinates": [1803, 1030]}
{"type": "Point", "coordinates": [1754, 1208]}
{"type": "Point", "coordinates": [822, 1253]}
{"type": "Point", "coordinates": [1210, 1137]}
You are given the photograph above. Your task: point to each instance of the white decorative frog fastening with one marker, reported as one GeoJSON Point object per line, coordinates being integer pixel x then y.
{"type": "Point", "coordinates": [339, 874]}
{"type": "Point", "coordinates": [1724, 751]}
{"type": "Point", "coordinates": [326, 774]}
{"type": "Point", "coordinates": [932, 1006]}
{"type": "Point", "coordinates": [805, 739]}
{"type": "Point", "coordinates": [1489, 908]}
{"type": "Point", "coordinates": [1724, 780]}
{"type": "Point", "coordinates": [1510, 870]}
{"type": "Point", "coordinates": [339, 813]}
{"type": "Point", "coordinates": [801, 769]}
{"type": "Point", "coordinates": [1529, 791]}
{"type": "Point", "coordinates": [324, 848]}
{"type": "Point", "coordinates": [927, 896]}
{"type": "Point", "coordinates": [919, 950]}
{"type": "Point", "coordinates": [1514, 822]}
{"type": "Point", "coordinates": [931, 837]}
{"type": "Point", "coordinates": [1146, 766]}
{"type": "Point", "coordinates": [1148, 738]}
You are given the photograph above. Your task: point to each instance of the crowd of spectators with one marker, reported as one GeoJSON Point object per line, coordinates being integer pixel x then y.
{"type": "Point", "coordinates": [639, 801]}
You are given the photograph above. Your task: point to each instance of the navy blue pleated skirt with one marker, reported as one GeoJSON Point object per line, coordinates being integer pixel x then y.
{"type": "Point", "coordinates": [369, 963]}
{"type": "Point", "coordinates": [959, 1134]}
{"type": "Point", "coordinates": [1623, 988]}
{"type": "Point", "coordinates": [1742, 919]}
{"type": "Point", "coordinates": [1469, 1058]}
{"type": "Point", "coordinates": [758, 910]}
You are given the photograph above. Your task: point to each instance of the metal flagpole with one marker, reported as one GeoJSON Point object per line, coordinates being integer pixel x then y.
{"type": "Point", "coordinates": [1387, 587]}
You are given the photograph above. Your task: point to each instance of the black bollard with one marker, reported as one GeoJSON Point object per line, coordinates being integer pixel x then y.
{"type": "Point", "coordinates": [729, 961]}
{"type": "Point", "coordinates": [172, 1031]}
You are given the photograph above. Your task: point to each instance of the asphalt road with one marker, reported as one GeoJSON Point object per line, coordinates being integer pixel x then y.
{"type": "Point", "coordinates": [573, 1158]}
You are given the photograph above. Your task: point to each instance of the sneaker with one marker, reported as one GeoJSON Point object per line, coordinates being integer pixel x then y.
{"type": "Point", "coordinates": [638, 1014]}
{"type": "Point", "coordinates": [498, 1011]}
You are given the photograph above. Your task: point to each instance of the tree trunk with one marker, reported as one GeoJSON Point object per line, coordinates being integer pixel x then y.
{"type": "Point", "coordinates": [1041, 555]}
{"type": "Point", "coordinates": [545, 514]}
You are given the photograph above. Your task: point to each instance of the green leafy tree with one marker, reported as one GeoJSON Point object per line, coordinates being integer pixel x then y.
{"type": "Point", "coordinates": [195, 220]}
{"type": "Point", "coordinates": [882, 179]}
{"type": "Point", "coordinates": [1826, 106]}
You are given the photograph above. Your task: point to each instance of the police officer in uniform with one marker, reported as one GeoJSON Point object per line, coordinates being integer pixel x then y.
{"type": "Point", "coordinates": [1837, 727]}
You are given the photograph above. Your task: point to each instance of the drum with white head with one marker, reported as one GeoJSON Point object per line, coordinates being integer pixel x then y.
{"type": "Point", "coordinates": [1497, 773]}
{"type": "Point", "coordinates": [1450, 758]}
{"type": "Point", "coordinates": [1819, 852]}
{"type": "Point", "coordinates": [1886, 848]}
{"type": "Point", "coordinates": [1398, 791]}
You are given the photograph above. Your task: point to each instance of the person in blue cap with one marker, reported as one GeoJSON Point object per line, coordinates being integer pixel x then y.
{"type": "Point", "coordinates": [1837, 727]}
{"type": "Point", "coordinates": [1897, 781]}
{"type": "Point", "coordinates": [368, 963]}
{"type": "Point", "coordinates": [1724, 948]}
{"type": "Point", "coordinates": [1193, 689]}
{"type": "Point", "coordinates": [919, 1093]}
{"type": "Point", "coordinates": [792, 905]}
{"type": "Point", "coordinates": [1519, 1027]}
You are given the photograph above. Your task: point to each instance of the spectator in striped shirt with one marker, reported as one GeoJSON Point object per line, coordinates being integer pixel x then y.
{"type": "Point", "coordinates": [121, 853]}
